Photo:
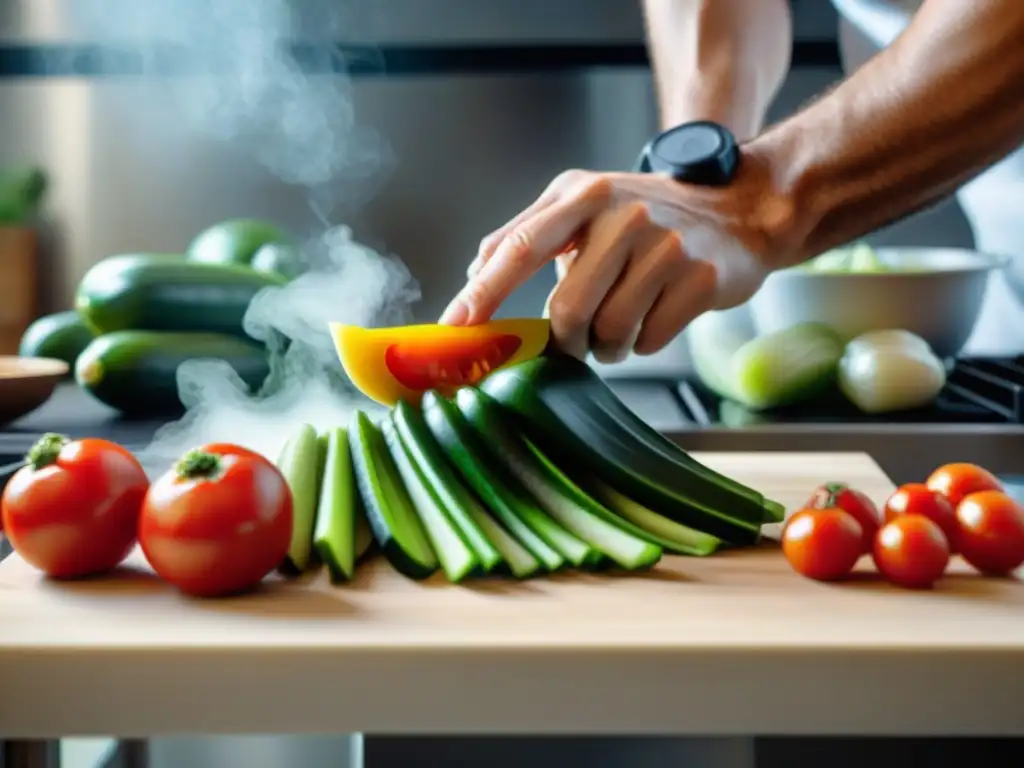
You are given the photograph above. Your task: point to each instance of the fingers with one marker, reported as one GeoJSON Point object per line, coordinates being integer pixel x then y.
{"type": "Point", "coordinates": [490, 243]}
{"type": "Point", "coordinates": [525, 248]}
{"type": "Point", "coordinates": [602, 256]}
{"type": "Point", "coordinates": [563, 183]}
{"type": "Point", "coordinates": [658, 261]}
{"type": "Point", "coordinates": [690, 294]}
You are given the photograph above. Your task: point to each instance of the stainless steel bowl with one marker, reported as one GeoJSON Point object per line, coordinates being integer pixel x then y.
{"type": "Point", "coordinates": [935, 293]}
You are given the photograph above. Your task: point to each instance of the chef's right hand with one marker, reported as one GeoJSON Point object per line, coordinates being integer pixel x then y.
{"type": "Point", "coordinates": [638, 256]}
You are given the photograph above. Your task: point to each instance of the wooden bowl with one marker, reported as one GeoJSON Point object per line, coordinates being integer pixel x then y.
{"type": "Point", "coordinates": [26, 383]}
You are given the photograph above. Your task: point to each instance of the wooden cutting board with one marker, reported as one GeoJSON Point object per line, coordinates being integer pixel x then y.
{"type": "Point", "coordinates": [499, 655]}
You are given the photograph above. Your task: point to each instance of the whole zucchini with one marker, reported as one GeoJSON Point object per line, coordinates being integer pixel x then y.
{"type": "Point", "coordinates": [164, 292]}
{"type": "Point", "coordinates": [62, 335]}
{"type": "Point", "coordinates": [135, 372]}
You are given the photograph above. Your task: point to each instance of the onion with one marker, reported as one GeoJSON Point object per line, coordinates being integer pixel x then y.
{"type": "Point", "coordinates": [895, 370]}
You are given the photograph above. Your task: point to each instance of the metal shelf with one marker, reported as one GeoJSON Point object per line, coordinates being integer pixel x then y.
{"type": "Point", "coordinates": [90, 60]}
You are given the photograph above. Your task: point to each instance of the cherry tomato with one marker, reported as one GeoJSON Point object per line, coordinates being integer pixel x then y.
{"type": "Point", "coordinates": [73, 509]}
{"type": "Point", "coordinates": [217, 522]}
{"type": "Point", "coordinates": [911, 551]}
{"type": "Point", "coordinates": [822, 544]}
{"type": "Point", "coordinates": [842, 496]}
{"type": "Point", "coordinates": [954, 481]}
{"type": "Point", "coordinates": [919, 499]}
{"type": "Point", "coordinates": [991, 532]}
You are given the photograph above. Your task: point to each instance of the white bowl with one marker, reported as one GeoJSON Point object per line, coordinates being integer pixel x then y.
{"type": "Point", "coordinates": [938, 296]}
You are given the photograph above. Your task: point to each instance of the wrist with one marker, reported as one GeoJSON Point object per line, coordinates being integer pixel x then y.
{"type": "Point", "coordinates": [778, 217]}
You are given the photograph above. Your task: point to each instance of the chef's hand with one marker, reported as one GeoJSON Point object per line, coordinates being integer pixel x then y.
{"type": "Point", "coordinates": [638, 256]}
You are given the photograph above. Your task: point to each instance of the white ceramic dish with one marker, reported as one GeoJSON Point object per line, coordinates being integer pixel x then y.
{"type": "Point", "coordinates": [935, 293]}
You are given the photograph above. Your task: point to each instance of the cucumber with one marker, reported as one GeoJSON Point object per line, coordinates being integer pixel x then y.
{"type": "Point", "coordinates": [135, 372]}
{"type": "Point", "coordinates": [335, 529]}
{"type": "Point", "coordinates": [298, 463]}
{"type": "Point", "coordinates": [672, 536]}
{"type": "Point", "coordinates": [569, 411]}
{"type": "Point", "coordinates": [162, 292]}
{"type": "Point", "coordinates": [61, 336]}
{"type": "Point", "coordinates": [393, 520]}
{"type": "Point", "coordinates": [453, 496]}
{"type": "Point", "coordinates": [501, 493]}
{"type": "Point", "coordinates": [558, 495]}
{"type": "Point", "coordinates": [456, 558]}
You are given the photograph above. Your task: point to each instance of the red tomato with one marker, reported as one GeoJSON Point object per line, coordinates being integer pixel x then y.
{"type": "Point", "coordinates": [911, 551]}
{"type": "Point", "coordinates": [822, 544]}
{"type": "Point", "coordinates": [991, 532]}
{"type": "Point", "coordinates": [449, 364]}
{"type": "Point", "coordinates": [73, 509]}
{"type": "Point", "coordinates": [859, 506]}
{"type": "Point", "coordinates": [954, 481]}
{"type": "Point", "coordinates": [919, 499]}
{"type": "Point", "coordinates": [217, 522]}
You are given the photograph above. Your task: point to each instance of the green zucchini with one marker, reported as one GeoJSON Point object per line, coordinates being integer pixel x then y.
{"type": "Point", "coordinates": [135, 372]}
{"type": "Point", "coordinates": [335, 529]}
{"type": "Point", "coordinates": [457, 559]}
{"type": "Point", "coordinates": [558, 495]}
{"type": "Point", "coordinates": [560, 378]}
{"type": "Point", "coordinates": [363, 538]}
{"type": "Point", "coordinates": [393, 520]}
{"type": "Point", "coordinates": [235, 241]}
{"type": "Point", "coordinates": [298, 463]}
{"type": "Point", "coordinates": [61, 336]}
{"type": "Point", "coordinates": [672, 536]}
{"type": "Point", "coordinates": [451, 493]}
{"type": "Point", "coordinates": [508, 500]}
{"type": "Point", "coordinates": [162, 292]}
{"type": "Point", "coordinates": [570, 411]}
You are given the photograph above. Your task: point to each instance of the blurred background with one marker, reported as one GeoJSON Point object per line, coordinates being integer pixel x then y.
{"type": "Point", "coordinates": [482, 104]}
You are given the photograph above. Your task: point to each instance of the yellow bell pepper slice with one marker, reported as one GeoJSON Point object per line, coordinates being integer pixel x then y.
{"type": "Point", "coordinates": [403, 362]}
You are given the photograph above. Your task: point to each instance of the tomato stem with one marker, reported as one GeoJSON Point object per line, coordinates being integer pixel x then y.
{"type": "Point", "coordinates": [198, 464]}
{"type": "Point", "coordinates": [46, 450]}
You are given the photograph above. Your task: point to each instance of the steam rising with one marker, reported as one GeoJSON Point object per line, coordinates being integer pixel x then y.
{"type": "Point", "coordinates": [245, 87]}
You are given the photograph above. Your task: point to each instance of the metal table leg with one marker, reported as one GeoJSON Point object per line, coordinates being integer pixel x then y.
{"type": "Point", "coordinates": [31, 754]}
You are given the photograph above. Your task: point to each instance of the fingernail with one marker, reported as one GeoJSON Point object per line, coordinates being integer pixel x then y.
{"type": "Point", "coordinates": [474, 267]}
{"type": "Point", "coordinates": [457, 313]}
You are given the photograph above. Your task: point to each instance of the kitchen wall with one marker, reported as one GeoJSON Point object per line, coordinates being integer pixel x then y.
{"type": "Point", "coordinates": [133, 169]}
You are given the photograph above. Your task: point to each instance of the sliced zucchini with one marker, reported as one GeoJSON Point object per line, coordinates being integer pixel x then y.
{"type": "Point", "coordinates": [570, 411]}
{"type": "Point", "coordinates": [505, 498]}
{"type": "Point", "coordinates": [393, 521]}
{"type": "Point", "coordinates": [672, 536]}
{"type": "Point", "coordinates": [298, 463]}
{"type": "Point", "coordinates": [451, 493]}
{"type": "Point", "coordinates": [558, 495]}
{"type": "Point", "coordinates": [334, 533]}
{"type": "Point", "coordinates": [457, 559]}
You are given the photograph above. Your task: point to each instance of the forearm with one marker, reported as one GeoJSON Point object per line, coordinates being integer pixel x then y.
{"type": "Point", "coordinates": [721, 60]}
{"type": "Point", "coordinates": [943, 103]}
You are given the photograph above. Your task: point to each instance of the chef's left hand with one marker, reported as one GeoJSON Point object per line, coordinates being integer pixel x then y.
{"type": "Point", "coordinates": [638, 256]}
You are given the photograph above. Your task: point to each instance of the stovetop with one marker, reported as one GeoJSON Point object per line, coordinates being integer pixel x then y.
{"type": "Point", "coordinates": [978, 391]}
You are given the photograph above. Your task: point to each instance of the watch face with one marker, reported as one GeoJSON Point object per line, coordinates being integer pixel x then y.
{"type": "Point", "coordinates": [689, 144]}
{"type": "Point", "coordinates": [695, 153]}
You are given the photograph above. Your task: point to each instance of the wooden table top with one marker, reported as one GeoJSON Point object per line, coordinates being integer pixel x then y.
{"type": "Point", "coordinates": [735, 643]}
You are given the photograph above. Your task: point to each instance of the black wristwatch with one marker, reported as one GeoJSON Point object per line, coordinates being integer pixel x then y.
{"type": "Point", "coordinates": [701, 152]}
